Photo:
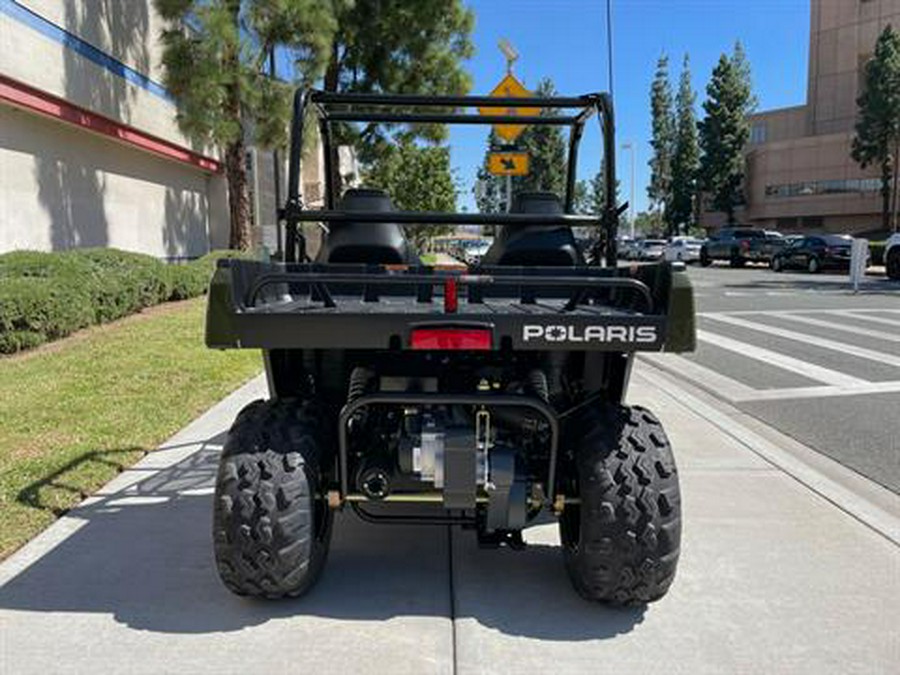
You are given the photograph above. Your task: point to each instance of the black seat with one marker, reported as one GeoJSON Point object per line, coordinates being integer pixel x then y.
{"type": "Point", "coordinates": [534, 245]}
{"type": "Point", "coordinates": [366, 243]}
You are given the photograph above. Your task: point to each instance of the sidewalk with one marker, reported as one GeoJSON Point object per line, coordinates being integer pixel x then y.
{"type": "Point", "coordinates": [774, 578]}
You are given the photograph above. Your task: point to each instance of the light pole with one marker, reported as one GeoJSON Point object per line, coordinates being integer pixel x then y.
{"type": "Point", "coordinates": [630, 146]}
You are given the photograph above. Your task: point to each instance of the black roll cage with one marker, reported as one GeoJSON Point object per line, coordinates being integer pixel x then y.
{"type": "Point", "coordinates": [354, 107]}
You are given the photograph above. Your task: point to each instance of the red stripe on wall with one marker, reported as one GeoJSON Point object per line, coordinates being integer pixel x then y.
{"type": "Point", "coordinates": [28, 98]}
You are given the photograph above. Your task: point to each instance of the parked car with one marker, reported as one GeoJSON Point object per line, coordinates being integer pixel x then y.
{"type": "Point", "coordinates": [684, 249]}
{"type": "Point", "coordinates": [815, 253]}
{"type": "Point", "coordinates": [651, 249]}
{"type": "Point", "coordinates": [892, 257]}
{"type": "Point", "coordinates": [475, 250]}
{"type": "Point", "coordinates": [737, 245]}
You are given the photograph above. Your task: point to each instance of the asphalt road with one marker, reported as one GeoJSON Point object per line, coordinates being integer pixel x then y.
{"type": "Point", "coordinates": [805, 355]}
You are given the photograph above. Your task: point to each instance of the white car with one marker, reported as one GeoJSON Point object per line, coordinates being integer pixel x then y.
{"type": "Point", "coordinates": [475, 252]}
{"type": "Point", "coordinates": [651, 249]}
{"type": "Point", "coordinates": [683, 249]}
{"type": "Point", "coordinates": [892, 257]}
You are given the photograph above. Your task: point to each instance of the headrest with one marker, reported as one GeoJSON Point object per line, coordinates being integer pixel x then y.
{"type": "Point", "coordinates": [366, 199]}
{"type": "Point", "coordinates": [537, 202]}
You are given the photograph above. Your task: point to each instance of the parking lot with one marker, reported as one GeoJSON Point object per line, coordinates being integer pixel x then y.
{"type": "Point", "coordinates": [790, 559]}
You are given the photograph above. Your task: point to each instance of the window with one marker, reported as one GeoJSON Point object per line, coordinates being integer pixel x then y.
{"type": "Point", "coordinates": [758, 133]}
{"type": "Point", "coordinates": [824, 187]}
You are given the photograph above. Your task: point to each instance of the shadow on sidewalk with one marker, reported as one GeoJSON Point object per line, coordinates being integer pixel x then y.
{"type": "Point", "coordinates": [144, 555]}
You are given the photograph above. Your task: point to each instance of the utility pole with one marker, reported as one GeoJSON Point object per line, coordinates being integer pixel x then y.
{"type": "Point", "coordinates": [630, 146]}
{"type": "Point", "coordinates": [511, 57]}
{"type": "Point", "coordinates": [276, 174]}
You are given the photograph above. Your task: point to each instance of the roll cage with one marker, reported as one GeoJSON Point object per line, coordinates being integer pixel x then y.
{"type": "Point", "coordinates": [411, 108]}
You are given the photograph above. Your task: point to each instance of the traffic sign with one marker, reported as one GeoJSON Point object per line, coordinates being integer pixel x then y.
{"type": "Point", "coordinates": [508, 163]}
{"type": "Point", "coordinates": [510, 87]}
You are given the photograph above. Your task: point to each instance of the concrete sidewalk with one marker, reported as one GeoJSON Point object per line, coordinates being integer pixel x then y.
{"type": "Point", "coordinates": [775, 577]}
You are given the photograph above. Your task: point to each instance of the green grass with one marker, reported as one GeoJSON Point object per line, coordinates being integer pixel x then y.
{"type": "Point", "coordinates": [428, 259]}
{"type": "Point", "coordinates": [77, 412]}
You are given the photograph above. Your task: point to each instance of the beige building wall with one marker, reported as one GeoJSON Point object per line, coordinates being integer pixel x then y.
{"type": "Point", "coordinates": [800, 175]}
{"type": "Point", "coordinates": [62, 186]}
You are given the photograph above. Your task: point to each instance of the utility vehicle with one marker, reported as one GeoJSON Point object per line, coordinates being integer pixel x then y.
{"type": "Point", "coordinates": [478, 399]}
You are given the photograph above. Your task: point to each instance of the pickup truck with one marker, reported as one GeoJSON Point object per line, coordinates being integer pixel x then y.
{"type": "Point", "coordinates": [740, 245]}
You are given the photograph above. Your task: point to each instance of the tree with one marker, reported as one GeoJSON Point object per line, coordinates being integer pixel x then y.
{"type": "Point", "coordinates": [418, 178]}
{"type": "Point", "coordinates": [396, 46]}
{"type": "Point", "coordinates": [213, 56]}
{"type": "Point", "coordinates": [686, 158]}
{"type": "Point", "coordinates": [877, 139]}
{"type": "Point", "coordinates": [546, 148]}
{"type": "Point", "coordinates": [725, 130]}
{"type": "Point", "coordinates": [663, 139]}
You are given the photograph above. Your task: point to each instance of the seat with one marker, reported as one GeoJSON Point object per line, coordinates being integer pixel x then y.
{"type": "Point", "coordinates": [366, 243]}
{"type": "Point", "coordinates": [534, 245]}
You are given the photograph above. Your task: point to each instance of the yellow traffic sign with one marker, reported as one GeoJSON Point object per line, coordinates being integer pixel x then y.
{"type": "Point", "coordinates": [508, 163]}
{"type": "Point", "coordinates": [510, 87]}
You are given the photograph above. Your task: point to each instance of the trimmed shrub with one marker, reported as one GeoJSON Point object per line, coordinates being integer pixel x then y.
{"type": "Point", "coordinates": [45, 296]}
{"type": "Point", "coordinates": [36, 309]}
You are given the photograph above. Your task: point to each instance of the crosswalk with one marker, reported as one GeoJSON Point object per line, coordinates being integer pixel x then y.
{"type": "Point", "coordinates": [794, 351]}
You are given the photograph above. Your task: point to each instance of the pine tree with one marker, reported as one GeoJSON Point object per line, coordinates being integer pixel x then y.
{"type": "Point", "coordinates": [213, 56]}
{"type": "Point", "coordinates": [686, 160]}
{"type": "Point", "coordinates": [663, 139]}
{"type": "Point", "coordinates": [877, 139]}
{"type": "Point", "coordinates": [397, 47]}
{"type": "Point", "coordinates": [725, 130]}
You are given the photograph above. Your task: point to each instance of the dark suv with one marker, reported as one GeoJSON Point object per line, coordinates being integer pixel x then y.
{"type": "Point", "coordinates": [737, 245]}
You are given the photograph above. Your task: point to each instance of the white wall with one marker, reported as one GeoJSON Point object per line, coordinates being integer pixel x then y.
{"type": "Point", "coordinates": [61, 187]}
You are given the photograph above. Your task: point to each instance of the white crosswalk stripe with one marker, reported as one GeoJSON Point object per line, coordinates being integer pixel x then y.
{"type": "Point", "coordinates": [833, 382]}
{"type": "Point", "coordinates": [806, 338]}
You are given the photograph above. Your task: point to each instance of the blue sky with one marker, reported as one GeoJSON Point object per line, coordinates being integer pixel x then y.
{"type": "Point", "coordinates": [566, 41]}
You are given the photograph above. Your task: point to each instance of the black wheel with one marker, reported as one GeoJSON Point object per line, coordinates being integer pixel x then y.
{"type": "Point", "coordinates": [776, 264]}
{"type": "Point", "coordinates": [813, 265]}
{"type": "Point", "coordinates": [621, 543]}
{"type": "Point", "coordinates": [271, 528]}
{"type": "Point", "coordinates": [705, 260]}
{"type": "Point", "coordinates": [892, 264]}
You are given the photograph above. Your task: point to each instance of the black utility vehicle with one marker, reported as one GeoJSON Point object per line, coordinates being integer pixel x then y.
{"type": "Point", "coordinates": [477, 399]}
{"type": "Point", "coordinates": [815, 253]}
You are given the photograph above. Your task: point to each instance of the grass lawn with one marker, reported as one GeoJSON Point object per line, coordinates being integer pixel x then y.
{"type": "Point", "coordinates": [76, 412]}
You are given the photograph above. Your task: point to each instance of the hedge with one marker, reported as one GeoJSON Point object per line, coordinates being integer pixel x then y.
{"type": "Point", "coordinates": [46, 296]}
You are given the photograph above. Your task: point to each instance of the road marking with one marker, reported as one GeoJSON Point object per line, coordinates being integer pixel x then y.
{"type": "Point", "coordinates": [857, 314]}
{"type": "Point", "coordinates": [805, 338]}
{"type": "Point", "coordinates": [835, 312]}
{"type": "Point", "coordinates": [709, 379]}
{"type": "Point", "coordinates": [878, 334]}
{"type": "Point", "coordinates": [782, 361]}
{"type": "Point", "coordinates": [820, 392]}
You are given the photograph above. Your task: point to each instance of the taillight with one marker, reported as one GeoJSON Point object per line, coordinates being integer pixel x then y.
{"type": "Point", "coordinates": [451, 338]}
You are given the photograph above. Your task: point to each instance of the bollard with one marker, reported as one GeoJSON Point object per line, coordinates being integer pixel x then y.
{"type": "Point", "coordinates": [859, 258]}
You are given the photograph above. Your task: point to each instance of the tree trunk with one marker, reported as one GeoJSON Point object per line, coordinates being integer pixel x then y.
{"type": "Point", "coordinates": [238, 199]}
{"type": "Point", "coordinates": [895, 208]}
{"type": "Point", "coordinates": [235, 151]}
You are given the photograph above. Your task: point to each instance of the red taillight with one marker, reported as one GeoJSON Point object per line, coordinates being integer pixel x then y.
{"type": "Point", "coordinates": [451, 338]}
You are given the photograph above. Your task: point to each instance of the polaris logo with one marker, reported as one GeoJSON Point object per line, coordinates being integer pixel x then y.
{"type": "Point", "coordinates": [560, 333]}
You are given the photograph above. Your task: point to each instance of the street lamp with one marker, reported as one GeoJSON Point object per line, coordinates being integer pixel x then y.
{"type": "Point", "coordinates": [630, 146]}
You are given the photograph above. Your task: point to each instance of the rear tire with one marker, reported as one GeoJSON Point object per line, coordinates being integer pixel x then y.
{"type": "Point", "coordinates": [892, 264]}
{"type": "Point", "coordinates": [777, 265]}
{"type": "Point", "coordinates": [621, 544]}
{"type": "Point", "coordinates": [270, 532]}
{"type": "Point", "coordinates": [813, 266]}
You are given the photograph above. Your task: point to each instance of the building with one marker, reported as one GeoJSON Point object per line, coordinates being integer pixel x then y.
{"type": "Point", "coordinates": [800, 176]}
{"type": "Point", "coordinates": [90, 151]}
